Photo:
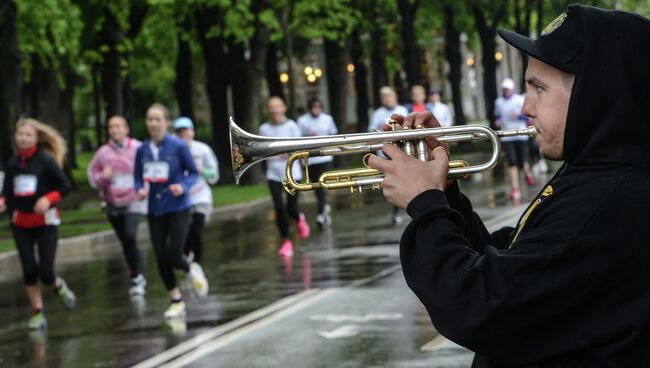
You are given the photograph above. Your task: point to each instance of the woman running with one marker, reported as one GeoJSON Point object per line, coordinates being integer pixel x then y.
{"type": "Point", "coordinates": [281, 126]}
{"type": "Point", "coordinates": [111, 171]}
{"type": "Point", "coordinates": [200, 194]}
{"type": "Point", "coordinates": [34, 182]}
{"type": "Point", "coordinates": [165, 163]}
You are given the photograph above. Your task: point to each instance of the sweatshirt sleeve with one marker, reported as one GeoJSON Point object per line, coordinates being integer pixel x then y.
{"type": "Point", "coordinates": [94, 172]}
{"type": "Point", "coordinates": [474, 229]}
{"type": "Point", "coordinates": [187, 164]}
{"type": "Point", "coordinates": [138, 182]}
{"type": "Point", "coordinates": [62, 183]}
{"type": "Point", "coordinates": [210, 166]}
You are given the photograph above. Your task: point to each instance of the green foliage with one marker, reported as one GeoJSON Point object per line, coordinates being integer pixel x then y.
{"type": "Point", "coordinates": [50, 30]}
{"type": "Point", "coordinates": [331, 19]}
{"type": "Point", "coordinates": [152, 62]}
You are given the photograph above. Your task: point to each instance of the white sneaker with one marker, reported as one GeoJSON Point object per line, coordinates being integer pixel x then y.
{"type": "Point", "coordinates": [199, 282]}
{"type": "Point", "coordinates": [138, 285]}
{"type": "Point", "coordinates": [175, 310]}
{"type": "Point", "coordinates": [397, 219]}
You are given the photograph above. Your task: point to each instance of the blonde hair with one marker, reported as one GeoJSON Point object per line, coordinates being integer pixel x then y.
{"type": "Point", "coordinates": [47, 139]}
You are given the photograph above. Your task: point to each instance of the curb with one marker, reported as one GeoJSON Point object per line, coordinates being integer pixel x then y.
{"type": "Point", "coordinates": [105, 242]}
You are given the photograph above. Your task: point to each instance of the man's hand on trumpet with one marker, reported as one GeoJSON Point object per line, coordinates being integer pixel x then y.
{"type": "Point", "coordinates": [405, 176]}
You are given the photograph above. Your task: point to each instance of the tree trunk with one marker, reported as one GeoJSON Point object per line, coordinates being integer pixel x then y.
{"type": "Point", "coordinates": [10, 78]}
{"type": "Point", "coordinates": [137, 13]}
{"type": "Point", "coordinates": [112, 36]}
{"type": "Point", "coordinates": [52, 104]}
{"type": "Point", "coordinates": [522, 26]}
{"type": "Point", "coordinates": [454, 58]}
{"type": "Point", "coordinates": [98, 101]}
{"type": "Point", "coordinates": [412, 53]}
{"type": "Point", "coordinates": [378, 61]}
{"type": "Point", "coordinates": [272, 72]}
{"type": "Point", "coordinates": [217, 79]}
{"type": "Point", "coordinates": [183, 82]}
{"type": "Point", "coordinates": [336, 73]}
{"type": "Point", "coordinates": [487, 34]}
{"type": "Point", "coordinates": [288, 53]}
{"type": "Point", "coordinates": [360, 81]}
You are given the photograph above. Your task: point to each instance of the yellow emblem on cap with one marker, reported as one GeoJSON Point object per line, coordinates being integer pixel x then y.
{"type": "Point", "coordinates": [554, 24]}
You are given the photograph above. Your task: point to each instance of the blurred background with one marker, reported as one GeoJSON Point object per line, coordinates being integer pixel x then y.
{"type": "Point", "coordinates": [74, 63]}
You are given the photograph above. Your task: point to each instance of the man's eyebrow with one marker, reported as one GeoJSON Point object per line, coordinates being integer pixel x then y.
{"type": "Point", "coordinates": [535, 81]}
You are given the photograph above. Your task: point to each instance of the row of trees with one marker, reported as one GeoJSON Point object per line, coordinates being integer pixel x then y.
{"type": "Point", "coordinates": [74, 62]}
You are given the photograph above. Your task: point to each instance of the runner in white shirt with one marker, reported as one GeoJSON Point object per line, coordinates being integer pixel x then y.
{"type": "Point", "coordinates": [200, 193]}
{"type": "Point", "coordinates": [316, 123]}
{"type": "Point", "coordinates": [280, 126]}
{"type": "Point", "coordinates": [440, 110]}
{"type": "Point", "coordinates": [379, 118]}
{"type": "Point", "coordinates": [507, 111]}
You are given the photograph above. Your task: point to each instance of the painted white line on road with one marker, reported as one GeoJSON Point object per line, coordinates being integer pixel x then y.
{"type": "Point", "coordinates": [200, 339]}
{"type": "Point", "coordinates": [340, 332]}
{"type": "Point", "coordinates": [231, 336]}
{"type": "Point", "coordinates": [356, 318]}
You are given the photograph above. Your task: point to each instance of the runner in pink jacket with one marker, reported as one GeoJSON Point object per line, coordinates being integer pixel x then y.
{"type": "Point", "coordinates": [111, 171]}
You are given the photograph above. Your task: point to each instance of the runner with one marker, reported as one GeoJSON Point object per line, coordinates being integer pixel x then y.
{"type": "Point", "coordinates": [33, 184]}
{"type": "Point", "coordinates": [111, 171]}
{"type": "Point", "coordinates": [165, 163]}
{"type": "Point", "coordinates": [200, 194]}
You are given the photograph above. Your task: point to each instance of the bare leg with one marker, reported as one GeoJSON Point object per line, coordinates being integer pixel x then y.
{"type": "Point", "coordinates": [513, 172]}
{"type": "Point", "coordinates": [34, 295]}
{"type": "Point", "coordinates": [175, 294]}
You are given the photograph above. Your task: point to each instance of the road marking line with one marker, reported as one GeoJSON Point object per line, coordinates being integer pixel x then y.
{"type": "Point", "coordinates": [200, 339]}
{"type": "Point", "coordinates": [225, 339]}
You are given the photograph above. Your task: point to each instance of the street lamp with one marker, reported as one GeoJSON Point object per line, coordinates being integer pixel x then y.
{"type": "Point", "coordinates": [284, 78]}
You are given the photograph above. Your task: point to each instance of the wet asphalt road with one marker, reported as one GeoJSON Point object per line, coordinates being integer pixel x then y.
{"type": "Point", "coordinates": [110, 329]}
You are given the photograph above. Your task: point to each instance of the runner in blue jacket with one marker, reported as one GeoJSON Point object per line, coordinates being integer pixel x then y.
{"type": "Point", "coordinates": [165, 172]}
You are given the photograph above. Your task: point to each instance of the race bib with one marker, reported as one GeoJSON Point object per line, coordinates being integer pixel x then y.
{"type": "Point", "coordinates": [25, 185]}
{"type": "Point", "coordinates": [122, 181]}
{"type": "Point", "coordinates": [156, 172]}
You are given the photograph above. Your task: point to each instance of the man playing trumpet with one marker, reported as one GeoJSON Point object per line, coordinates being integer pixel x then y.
{"type": "Point", "coordinates": [565, 287]}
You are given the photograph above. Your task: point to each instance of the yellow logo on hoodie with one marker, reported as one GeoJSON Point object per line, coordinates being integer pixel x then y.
{"type": "Point", "coordinates": [545, 193]}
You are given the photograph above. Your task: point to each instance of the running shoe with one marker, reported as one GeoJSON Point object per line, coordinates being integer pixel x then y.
{"type": "Point", "coordinates": [199, 282]}
{"type": "Point", "coordinates": [286, 249]}
{"type": "Point", "coordinates": [37, 321]}
{"type": "Point", "coordinates": [397, 218]}
{"type": "Point", "coordinates": [178, 326]}
{"type": "Point", "coordinates": [515, 194]}
{"type": "Point", "coordinates": [138, 285]}
{"type": "Point", "coordinates": [175, 310]}
{"type": "Point", "coordinates": [303, 227]}
{"type": "Point", "coordinates": [530, 180]}
{"type": "Point", "coordinates": [66, 295]}
{"type": "Point", "coordinates": [324, 220]}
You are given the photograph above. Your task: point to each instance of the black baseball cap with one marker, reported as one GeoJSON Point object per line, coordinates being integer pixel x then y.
{"type": "Point", "coordinates": [559, 45]}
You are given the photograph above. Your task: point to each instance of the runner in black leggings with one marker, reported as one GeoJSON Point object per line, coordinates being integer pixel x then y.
{"type": "Point", "coordinates": [111, 171]}
{"type": "Point", "coordinates": [165, 172]}
{"type": "Point", "coordinates": [33, 184]}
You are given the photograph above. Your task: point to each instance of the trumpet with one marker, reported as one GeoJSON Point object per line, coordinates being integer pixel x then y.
{"type": "Point", "coordinates": [249, 149]}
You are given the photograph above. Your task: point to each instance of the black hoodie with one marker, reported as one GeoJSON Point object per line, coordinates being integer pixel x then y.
{"type": "Point", "coordinates": [568, 286]}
